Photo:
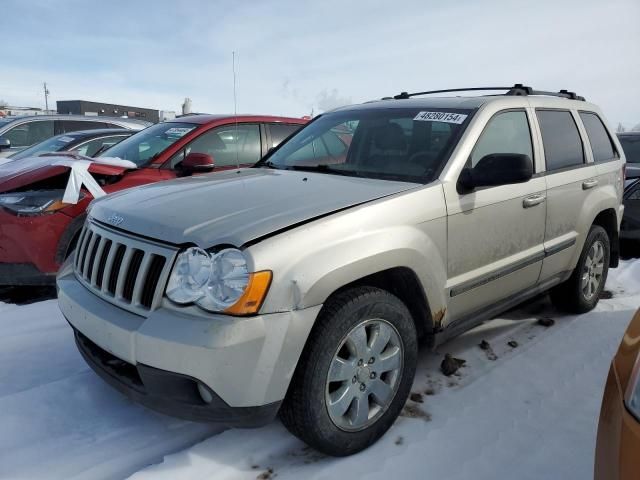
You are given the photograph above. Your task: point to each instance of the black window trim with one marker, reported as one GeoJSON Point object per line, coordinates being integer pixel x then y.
{"type": "Point", "coordinates": [606, 129]}
{"type": "Point", "coordinates": [584, 163]}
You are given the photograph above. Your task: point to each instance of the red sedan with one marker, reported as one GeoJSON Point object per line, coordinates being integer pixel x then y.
{"type": "Point", "coordinates": [38, 230]}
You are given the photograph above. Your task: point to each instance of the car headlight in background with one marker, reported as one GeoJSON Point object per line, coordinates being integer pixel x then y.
{"type": "Point", "coordinates": [217, 282]}
{"type": "Point", "coordinates": [33, 203]}
{"type": "Point", "coordinates": [632, 395]}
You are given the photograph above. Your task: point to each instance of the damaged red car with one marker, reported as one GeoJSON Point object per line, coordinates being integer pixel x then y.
{"type": "Point", "coordinates": [38, 230]}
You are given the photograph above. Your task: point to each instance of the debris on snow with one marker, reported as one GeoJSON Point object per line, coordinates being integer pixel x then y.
{"type": "Point", "coordinates": [413, 411]}
{"type": "Point", "coordinates": [416, 397]}
{"type": "Point", "coordinates": [606, 295]}
{"type": "Point", "coordinates": [266, 475]}
{"type": "Point", "coordinates": [399, 441]}
{"type": "Point", "coordinates": [513, 344]}
{"type": "Point", "coordinates": [450, 364]}
{"type": "Point", "coordinates": [546, 322]}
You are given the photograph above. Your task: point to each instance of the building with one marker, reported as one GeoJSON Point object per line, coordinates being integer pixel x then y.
{"type": "Point", "coordinates": [84, 107]}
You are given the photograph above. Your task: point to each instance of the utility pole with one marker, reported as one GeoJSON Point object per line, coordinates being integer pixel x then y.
{"type": "Point", "coordinates": [46, 98]}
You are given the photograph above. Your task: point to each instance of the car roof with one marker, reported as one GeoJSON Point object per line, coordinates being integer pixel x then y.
{"type": "Point", "coordinates": [628, 134]}
{"type": "Point", "coordinates": [203, 119]}
{"type": "Point", "coordinates": [124, 121]}
{"type": "Point", "coordinates": [472, 102]}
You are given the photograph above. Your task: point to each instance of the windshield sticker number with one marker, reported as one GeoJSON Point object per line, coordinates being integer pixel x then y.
{"type": "Point", "coordinates": [65, 139]}
{"type": "Point", "coordinates": [445, 117]}
{"type": "Point", "coordinates": [178, 131]}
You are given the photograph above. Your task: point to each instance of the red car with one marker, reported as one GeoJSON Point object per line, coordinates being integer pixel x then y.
{"type": "Point", "coordinates": [38, 230]}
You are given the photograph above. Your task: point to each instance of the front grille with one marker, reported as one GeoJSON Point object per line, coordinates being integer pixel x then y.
{"type": "Point", "coordinates": [123, 269]}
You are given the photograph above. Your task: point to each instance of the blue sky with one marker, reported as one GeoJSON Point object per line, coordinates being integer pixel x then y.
{"type": "Point", "coordinates": [295, 56]}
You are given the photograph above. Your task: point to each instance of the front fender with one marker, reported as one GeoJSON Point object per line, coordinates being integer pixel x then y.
{"type": "Point", "coordinates": [312, 261]}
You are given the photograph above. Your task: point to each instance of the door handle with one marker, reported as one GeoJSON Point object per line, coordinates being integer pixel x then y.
{"type": "Point", "coordinates": [533, 200]}
{"type": "Point", "coordinates": [587, 184]}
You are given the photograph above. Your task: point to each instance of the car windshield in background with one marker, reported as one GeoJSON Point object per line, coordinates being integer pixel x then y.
{"type": "Point", "coordinates": [144, 146]}
{"type": "Point", "coordinates": [631, 146]}
{"type": "Point", "coordinates": [54, 144]}
{"type": "Point", "coordinates": [395, 144]}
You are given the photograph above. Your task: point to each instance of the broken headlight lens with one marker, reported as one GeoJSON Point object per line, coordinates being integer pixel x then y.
{"type": "Point", "coordinates": [217, 282]}
{"type": "Point", "coordinates": [33, 203]}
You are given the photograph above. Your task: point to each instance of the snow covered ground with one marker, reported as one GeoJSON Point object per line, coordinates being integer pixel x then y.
{"type": "Point", "coordinates": [526, 411]}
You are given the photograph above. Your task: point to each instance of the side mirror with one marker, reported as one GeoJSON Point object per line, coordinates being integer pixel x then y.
{"type": "Point", "coordinates": [5, 143]}
{"type": "Point", "coordinates": [496, 169]}
{"type": "Point", "coordinates": [197, 163]}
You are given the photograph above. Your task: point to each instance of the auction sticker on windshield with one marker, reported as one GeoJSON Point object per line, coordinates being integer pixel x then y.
{"type": "Point", "coordinates": [445, 117]}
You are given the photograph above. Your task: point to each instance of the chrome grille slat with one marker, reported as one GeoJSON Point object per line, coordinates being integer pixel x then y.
{"type": "Point", "coordinates": [123, 269]}
{"type": "Point", "coordinates": [108, 265]}
{"type": "Point", "coordinates": [83, 234]}
{"type": "Point", "coordinates": [141, 278]}
{"type": "Point", "coordinates": [87, 256]}
{"type": "Point", "coordinates": [122, 274]}
{"type": "Point", "coordinates": [96, 261]}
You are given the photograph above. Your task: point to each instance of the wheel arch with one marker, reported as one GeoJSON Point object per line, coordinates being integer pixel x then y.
{"type": "Point", "coordinates": [69, 237]}
{"type": "Point", "coordinates": [608, 219]}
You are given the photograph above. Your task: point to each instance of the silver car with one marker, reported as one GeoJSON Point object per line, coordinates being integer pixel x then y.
{"type": "Point", "coordinates": [304, 285]}
{"type": "Point", "coordinates": [18, 133]}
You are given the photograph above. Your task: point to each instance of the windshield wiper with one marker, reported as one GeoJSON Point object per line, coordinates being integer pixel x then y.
{"type": "Point", "coordinates": [325, 169]}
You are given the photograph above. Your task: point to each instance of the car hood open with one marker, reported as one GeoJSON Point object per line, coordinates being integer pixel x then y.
{"type": "Point", "coordinates": [20, 173]}
{"type": "Point", "coordinates": [235, 207]}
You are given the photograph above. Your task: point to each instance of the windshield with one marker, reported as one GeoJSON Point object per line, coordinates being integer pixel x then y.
{"type": "Point", "coordinates": [406, 144]}
{"type": "Point", "coordinates": [146, 145]}
{"type": "Point", "coordinates": [54, 144]}
{"type": "Point", "coordinates": [631, 146]}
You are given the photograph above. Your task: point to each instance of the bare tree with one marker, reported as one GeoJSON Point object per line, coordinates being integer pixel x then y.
{"type": "Point", "coordinates": [3, 104]}
{"type": "Point", "coordinates": [620, 128]}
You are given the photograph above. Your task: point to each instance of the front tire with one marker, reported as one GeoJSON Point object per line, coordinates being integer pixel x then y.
{"type": "Point", "coordinates": [581, 292]}
{"type": "Point", "coordinates": [355, 373]}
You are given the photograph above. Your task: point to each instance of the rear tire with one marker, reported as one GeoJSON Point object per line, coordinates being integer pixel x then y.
{"type": "Point", "coordinates": [581, 292]}
{"type": "Point", "coordinates": [355, 373]}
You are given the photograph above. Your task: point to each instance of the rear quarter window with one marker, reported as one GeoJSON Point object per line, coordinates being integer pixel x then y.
{"type": "Point", "coordinates": [601, 144]}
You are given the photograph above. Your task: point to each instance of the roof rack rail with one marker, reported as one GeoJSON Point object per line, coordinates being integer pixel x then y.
{"type": "Point", "coordinates": [517, 90]}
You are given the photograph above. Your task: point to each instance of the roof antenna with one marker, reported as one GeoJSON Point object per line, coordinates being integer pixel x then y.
{"type": "Point", "coordinates": [235, 109]}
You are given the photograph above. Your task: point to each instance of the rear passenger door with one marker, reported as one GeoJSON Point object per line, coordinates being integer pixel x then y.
{"type": "Point", "coordinates": [570, 179]}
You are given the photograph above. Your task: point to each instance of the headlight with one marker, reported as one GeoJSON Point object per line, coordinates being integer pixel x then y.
{"type": "Point", "coordinates": [217, 282]}
{"type": "Point", "coordinates": [33, 203]}
{"type": "Point", "coordinates": [632, 395]}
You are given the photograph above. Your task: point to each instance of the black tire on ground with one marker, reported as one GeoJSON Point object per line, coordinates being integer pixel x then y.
{"type": "Point", "coordinates": [569, 296]}
{"type": "Point", "coordinates": [305, 412]}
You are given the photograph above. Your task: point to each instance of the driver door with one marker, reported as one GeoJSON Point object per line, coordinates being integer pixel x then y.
{"type": "Point", "coordinates": [495, 234]}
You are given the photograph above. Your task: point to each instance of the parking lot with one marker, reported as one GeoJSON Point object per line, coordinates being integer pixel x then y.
{"type": "Point", "coordinates": [61, 421]}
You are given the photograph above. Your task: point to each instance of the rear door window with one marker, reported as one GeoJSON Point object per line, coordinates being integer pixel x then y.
{"type": "Point", "coordinates": [280, 131]}
{"type": "Point", "coordinates": [601, 144]}
{"type": "Point", "coordinates": [26, 134]}
{"type": "Point", "coordinates": [561, 140]}
{"type": "Point", "coordinates": [66, 126]}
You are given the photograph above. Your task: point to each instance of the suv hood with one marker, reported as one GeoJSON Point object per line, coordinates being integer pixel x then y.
{"type": "Point", "coordinates": [237, 206]}
{"type": "Point", "coordinates": [22, 172]}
